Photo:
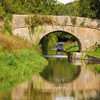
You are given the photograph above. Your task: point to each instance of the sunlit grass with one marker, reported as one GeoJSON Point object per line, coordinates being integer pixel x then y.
{"type": "Point", "coordinates": [93, 53]}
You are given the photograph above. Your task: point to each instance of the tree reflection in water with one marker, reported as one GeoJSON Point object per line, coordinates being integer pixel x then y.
{"type": "Point", "coordinates": [60, 70]}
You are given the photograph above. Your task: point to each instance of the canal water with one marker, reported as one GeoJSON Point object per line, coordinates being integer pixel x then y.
{"type": "Point", "coordinates": [60, 80]}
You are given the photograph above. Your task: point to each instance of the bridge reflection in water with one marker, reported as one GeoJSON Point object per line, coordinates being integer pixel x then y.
{"type": "Point", "coordinates": [60, 81]}
{"type": "Point", "coordinates": [87, 85]}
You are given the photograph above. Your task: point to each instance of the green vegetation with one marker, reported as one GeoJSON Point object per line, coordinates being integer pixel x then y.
{"type": "Point", "coordinates": [89, 8]}
{"type": "Point", "coordinates": [60, 71]}
{"type": "Point", "coordinates": [82, 24]}
{"type": "Point", "coordinates": [71, 47]}
{"type": "Point", "coordinates": [93, 53]}
{"type": "Point", "coordinates": [17, 56]}
{"type": "Point", "coordinates": [96, 67]}
{"type": "Point", "coordinates": [73, 20]}
{"type": "Point", "coordinates": [45, 7]}
{"type": "Point", "coordinates": [14, 44]}
{"type": "Point", "coordinates": [69, 9]}
{"type": "Point", "coordinates": [7, 25]}
{"type": "Point", "coordinates": [17, 68]}
{"type": "Point", "coordinates": [6, 28]}
{"type": "Point", "coordinates": [36, 20]}
{"type": "Point", "coordinates": [81, 8]}
{"type": "Point", "coordinates": [50, 40]}
{"type": "Point", "coordinates": [2, 13]}
{"type": "Point", "coordinates": [18, 61]}
{"type": "Point", "coordinates": [94, 50]}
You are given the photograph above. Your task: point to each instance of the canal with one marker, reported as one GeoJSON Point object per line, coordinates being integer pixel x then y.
{"type": "Point", "coordinates": [60, 80]}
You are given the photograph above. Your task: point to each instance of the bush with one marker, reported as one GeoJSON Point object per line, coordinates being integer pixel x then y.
{"type": "Point", "coordinates": [2, 13]}
{"type": "Point", "coordinates": [73, 20]}
{"type": "Point", "coordinates": [7, 23]}
{"type": "Point", "coordinates": [9, 17]}
{"type": "Point", "coordinates": [8, 28]}
{"type": "Point", "coordinates": [82, 24]}
{"type": "Point", "coordinates": [36, 20]}
{"type": "Point", "coordinates": [19, 68]}
{"type": "Point", "coordinates": [27, 20]}
{"type": "Point", "coordinates": [72, 47]}
{"type": "Point", "coordinates": [13, 44]}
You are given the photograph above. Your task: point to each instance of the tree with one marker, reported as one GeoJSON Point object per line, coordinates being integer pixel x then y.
{"type": "Point", "coordinates": [89, 8]}
{"type": "Point", "coordinates": [95, 7]}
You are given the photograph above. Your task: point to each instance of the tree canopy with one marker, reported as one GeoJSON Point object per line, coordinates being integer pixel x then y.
{"type": "Point", "coordinates": [82, 8]}
{"type": "Point", "coordinates": [89, 8]}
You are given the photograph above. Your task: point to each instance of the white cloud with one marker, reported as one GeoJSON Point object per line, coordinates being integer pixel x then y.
{"type": "Point", "coordinates": [65, 1]}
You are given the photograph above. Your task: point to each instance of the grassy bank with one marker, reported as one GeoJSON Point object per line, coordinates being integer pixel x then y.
{"type": "Point", "coordinates": [14, 44]}
{"type": "Point", "coordinates": [71, 47]}
{"type": "Point", "coordinates": [14, 69]}
{"type": "Point", "coordinates": [18, 61]}
{"type": "Point", "coordinates": [95, 51]}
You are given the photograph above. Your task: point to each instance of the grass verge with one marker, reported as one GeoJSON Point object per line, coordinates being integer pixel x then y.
{"type": "Point", "coordinates": [93, 53]}
{"type": "Point", "coordinates": [18, 61]}
{"type": "Point", "coordinates": [16, 69]}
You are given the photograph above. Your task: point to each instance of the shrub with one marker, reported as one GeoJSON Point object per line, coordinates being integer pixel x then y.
{"type": "Point", "coordinates": [7, 23]}
{"type": "Point", "coordinates": [2, 13]}
{"type": "Point", "coordinates": [47, 20]}
{"type": "Point", "coordinates": [82, 24]}
{"type": "Point", "coordinates": [36, 20]}
{"type": "Point", "coordinates": [27, 20]}
{"type": "Point", "coordinates": [18, 69]}
{"type": "Point", "coordinates": [72, 47]}
{"type": "Point", "coordinates": [73, 20]}
{"type": "Point", "coordinates": [8, 28]}
{"type": "Point", "coordinates": [9, 17]}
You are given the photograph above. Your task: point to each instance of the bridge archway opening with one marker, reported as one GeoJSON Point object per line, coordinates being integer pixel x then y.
{"type": "Point", "coordinates": [59, 70]}
{"type": "Point", "coordinates": [49, 40]}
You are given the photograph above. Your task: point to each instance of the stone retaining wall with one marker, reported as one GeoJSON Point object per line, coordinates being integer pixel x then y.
{"type": "Point", "coordinates": [82, 56]}
{"type": "Point", "coordinates": [93, 58]}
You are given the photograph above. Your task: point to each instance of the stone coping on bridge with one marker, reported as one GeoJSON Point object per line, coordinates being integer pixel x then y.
{"type": "Point", "coordinates": [19, 21]}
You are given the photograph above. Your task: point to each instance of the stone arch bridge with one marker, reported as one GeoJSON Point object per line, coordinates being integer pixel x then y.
{"type": "Point", "coordinates": [85, 30]}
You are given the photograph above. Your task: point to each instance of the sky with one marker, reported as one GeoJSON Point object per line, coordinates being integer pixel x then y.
{"type": "Point", "coordinates": [65, 1]}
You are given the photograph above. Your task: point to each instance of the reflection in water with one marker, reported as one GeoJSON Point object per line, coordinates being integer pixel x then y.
{"type": "Point", "coordinates": [59, 52]}
{"type": "Point", "coordinates": [85, 87]}
{"type": "Point", "coordinates": [60, 71]}
{"type": "Point", "coordinates": [55, 56]}
{"type": "Point", "coordinates": [60, 80]}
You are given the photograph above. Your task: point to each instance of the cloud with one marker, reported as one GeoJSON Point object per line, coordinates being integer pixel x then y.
{"type": "Point", "coordinates": [65, 1]}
